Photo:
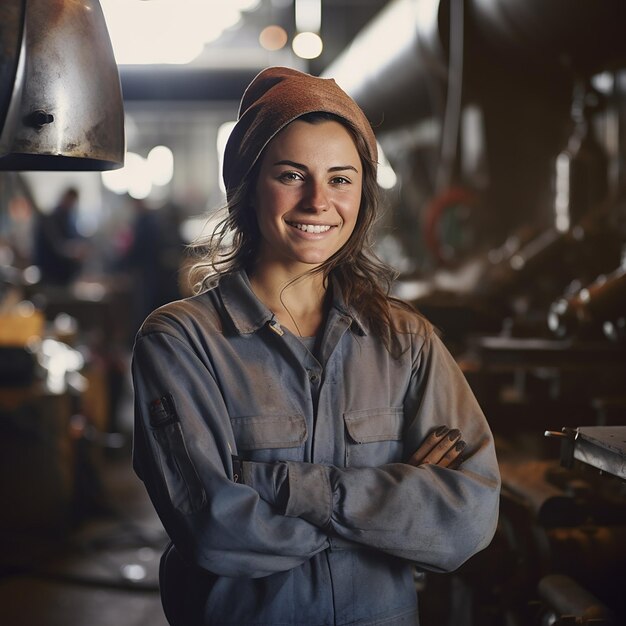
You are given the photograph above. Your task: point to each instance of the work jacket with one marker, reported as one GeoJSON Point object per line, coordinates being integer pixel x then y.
{"type": "Point", "coordinates": [281, 476]}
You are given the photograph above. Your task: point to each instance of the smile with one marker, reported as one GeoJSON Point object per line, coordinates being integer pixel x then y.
{"type": "Point", "coordinates": [311, 228]}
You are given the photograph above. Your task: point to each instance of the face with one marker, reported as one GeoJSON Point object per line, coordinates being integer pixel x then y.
{"type": "Point", "coordinates": [307, 194]}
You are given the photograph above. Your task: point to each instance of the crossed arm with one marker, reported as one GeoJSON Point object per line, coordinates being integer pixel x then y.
{"type": "Point", "coordinates": [422, 510]}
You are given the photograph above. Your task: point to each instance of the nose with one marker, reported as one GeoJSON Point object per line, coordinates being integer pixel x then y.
{"type": "Point", "coordinates": [316, 198]}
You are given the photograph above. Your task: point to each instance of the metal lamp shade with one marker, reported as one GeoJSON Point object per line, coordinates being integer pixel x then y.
{"type": "Point", "coordinates": [60, 97]}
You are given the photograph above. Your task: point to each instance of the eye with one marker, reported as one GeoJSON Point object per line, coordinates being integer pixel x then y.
{"type": "Point", "coordinates": [289, 176]}
{"type": "Point", "coordinates": [340, 180]}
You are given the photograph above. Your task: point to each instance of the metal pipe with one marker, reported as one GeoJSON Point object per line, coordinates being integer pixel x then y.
{"type": "Point", "coordinates": [564, 595]}
{"type": "Point", "coordinates": [395, 67]}
{"type": "Point", "coordinates": [397, 64]}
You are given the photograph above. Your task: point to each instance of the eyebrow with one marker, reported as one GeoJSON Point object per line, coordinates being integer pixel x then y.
{"type": "Point", "coordinates": [301, 166]}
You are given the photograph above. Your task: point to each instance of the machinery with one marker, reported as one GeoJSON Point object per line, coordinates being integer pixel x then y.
{"type": "Point", "coordinates": [505, 121]}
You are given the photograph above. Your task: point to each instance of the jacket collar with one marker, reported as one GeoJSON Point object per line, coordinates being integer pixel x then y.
{"type": "Point", "coordinates": [248, 314]}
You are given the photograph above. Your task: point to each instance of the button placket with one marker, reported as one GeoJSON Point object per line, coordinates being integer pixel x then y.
{"type": "Point", "coordinates": [314, 376]}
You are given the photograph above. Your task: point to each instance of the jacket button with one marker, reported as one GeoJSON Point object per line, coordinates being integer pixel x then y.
{"type": "Point", "coordinates": [313, 377]}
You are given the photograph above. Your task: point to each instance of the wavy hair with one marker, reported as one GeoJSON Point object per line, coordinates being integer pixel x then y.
{"type": "Point", "coordinates": [364, 280]}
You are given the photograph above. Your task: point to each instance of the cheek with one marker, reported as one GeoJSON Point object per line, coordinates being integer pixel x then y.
{"type": "Point", "coordinates": [262, 205]}
{"type": "Point", "coordinates": [271, 202]}
{"type": "Point", "coordinates": [351, 210]}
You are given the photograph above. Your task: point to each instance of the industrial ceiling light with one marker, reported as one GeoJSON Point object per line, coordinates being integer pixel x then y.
{"type": "Point", "coordinates": [60, 97]}
{"type": "Point", "coordinates": [308, 15]}
{"type": "Point", "coordinates": [169, 31]}
{"type": "Point", "coordinates": [307, 44]}
{"type": "Point", "coordinates": [166, 31]}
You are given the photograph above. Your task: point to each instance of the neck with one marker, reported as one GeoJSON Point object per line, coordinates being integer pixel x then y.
{"type": "Point", "coordinates": [297, 300]}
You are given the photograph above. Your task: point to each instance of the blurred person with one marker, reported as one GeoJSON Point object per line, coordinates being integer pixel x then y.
{"type": "Point", "coordinates": [306, 439]}
{"type": "Point", "coordinates": [59, 250]}
{"type": "Point", "coordinates": [152, 259]}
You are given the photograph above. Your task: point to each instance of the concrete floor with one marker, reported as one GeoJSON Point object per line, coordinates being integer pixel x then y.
{"type": "Point", "coordinates": [104, 572]}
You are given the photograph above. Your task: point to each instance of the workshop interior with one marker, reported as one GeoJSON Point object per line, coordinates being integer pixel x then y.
{"type": "Point", "coordinates": [502, 127]}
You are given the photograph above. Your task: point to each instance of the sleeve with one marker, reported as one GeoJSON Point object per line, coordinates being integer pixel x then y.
{"type": "Point", "coordinates": [434, 516]}
{"type": "Point", "coordinates": [182, 450]}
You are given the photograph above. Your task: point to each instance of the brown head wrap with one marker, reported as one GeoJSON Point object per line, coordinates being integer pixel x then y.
{"type": "Point", "coordinates": [276, 97]}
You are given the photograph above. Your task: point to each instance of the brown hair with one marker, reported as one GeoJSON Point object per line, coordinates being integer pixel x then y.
{"type": "Point", "coordinates": [364, 280]}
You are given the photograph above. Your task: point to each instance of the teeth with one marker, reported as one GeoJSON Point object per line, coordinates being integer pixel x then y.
{"type": "Point", "coordinates": [311, 228]}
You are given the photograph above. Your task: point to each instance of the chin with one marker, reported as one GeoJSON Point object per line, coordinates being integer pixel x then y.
{"type": "Point", "coordinates": [313, 260]}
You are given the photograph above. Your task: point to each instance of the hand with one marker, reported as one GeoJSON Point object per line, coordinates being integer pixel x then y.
{"type": "Point", "coordinates": [442, 447]}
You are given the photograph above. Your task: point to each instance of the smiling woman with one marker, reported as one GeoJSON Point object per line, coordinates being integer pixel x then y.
{"type": "Point", "coordinates": [307, 195]}
{"type": "Point", "coordinates": [306, 439]}
{"type": "Point", "coordinates": [306, 200]}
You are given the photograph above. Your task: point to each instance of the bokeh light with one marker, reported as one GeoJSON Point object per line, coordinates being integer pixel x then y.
{"type": "Point", "coordinates": [273, 37]}
{"type": "Point", "coordinates": [307, 45]}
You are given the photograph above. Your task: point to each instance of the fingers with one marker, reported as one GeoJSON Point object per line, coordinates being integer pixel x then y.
{"type": "Point", "coordinates": [442, 447]}
{"type": "Point", "coordinates": [431, 441]}
{"type": "Point", "coordinates": [452, 458]}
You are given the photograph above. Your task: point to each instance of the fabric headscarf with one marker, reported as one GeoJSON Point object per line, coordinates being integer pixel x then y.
{"type": "Point", "coordinates": [276, 97]}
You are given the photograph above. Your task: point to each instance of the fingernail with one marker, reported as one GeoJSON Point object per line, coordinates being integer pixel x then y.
{"type": "Point", "coordinates": [441, 431]}
{"type": "Point", "coordinates": [455, 433]}
{"type": "Point", "coordinates": [460, 446]}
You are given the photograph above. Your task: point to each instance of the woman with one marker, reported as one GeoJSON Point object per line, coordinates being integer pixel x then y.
{"type": "Point", "coordinates": [289, 416]}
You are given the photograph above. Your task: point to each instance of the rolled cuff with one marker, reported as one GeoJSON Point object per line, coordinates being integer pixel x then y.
{"type": "Point", "coordinates": [267, 479]}
{"type": "Point", "coordinates": [310, 493]}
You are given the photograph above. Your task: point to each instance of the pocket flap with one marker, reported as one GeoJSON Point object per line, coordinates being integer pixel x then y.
{"type": "Point", "coordinates": [261, 432]}
{"type": "Point", "coordinates": [370, 425]}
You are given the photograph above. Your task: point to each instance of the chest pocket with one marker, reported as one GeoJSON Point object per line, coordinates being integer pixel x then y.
{"type": "Point", "coordinates": [373, 436]}
{"type": "Point", "coordinates": [270, 437]}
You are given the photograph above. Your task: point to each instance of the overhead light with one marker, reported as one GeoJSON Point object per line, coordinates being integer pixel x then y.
{"type": "Point", "coordinates": [273, 37]}
{"type": "Point", "coordinates": [308, 15]}
{"type": "Point", "coordinates": [385, 175]}
{"type": "Point", "coordinates": [134, 178]}
{"type": "Point", "coordinates": [116, 181]}
{"type": "Point", "coordinates": [246, 5]}
{"type": "Point", "coordinates": [138, 175]}
{"type": "Point", "coordinates": [167, 31]}
{"type": "Point", "coordinates": [139, 178]}
{"type": "Point", "coordinates": [161, 164]}
{"type": "Point", "coordinates": [307, 45]}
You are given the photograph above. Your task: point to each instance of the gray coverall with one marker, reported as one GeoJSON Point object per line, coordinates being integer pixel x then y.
{"type": "Point", "coordinates": [281, 478]}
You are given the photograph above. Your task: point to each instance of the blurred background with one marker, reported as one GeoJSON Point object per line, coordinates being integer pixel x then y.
{"type": "Point", "coordinates": [502, 127]}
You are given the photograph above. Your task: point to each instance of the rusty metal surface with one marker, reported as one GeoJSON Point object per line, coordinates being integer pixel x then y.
{"type": "Point", "coordinates": [70, 112]}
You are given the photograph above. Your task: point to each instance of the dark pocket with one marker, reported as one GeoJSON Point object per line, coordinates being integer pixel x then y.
{"type": "Point", "coordinates": [374, 436]}
{"type": "Point", "coordinates": [183, 482]}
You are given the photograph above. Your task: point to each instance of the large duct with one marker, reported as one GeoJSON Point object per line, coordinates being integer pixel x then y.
{"type": "Point", "coordinates": [396, 68]}
{"type": "Point", "coordinates": [393, 66]}
{"type": "Point", "coordinates": [579, 36]}
{"type": "Point", "coordinates": [60, 97]}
